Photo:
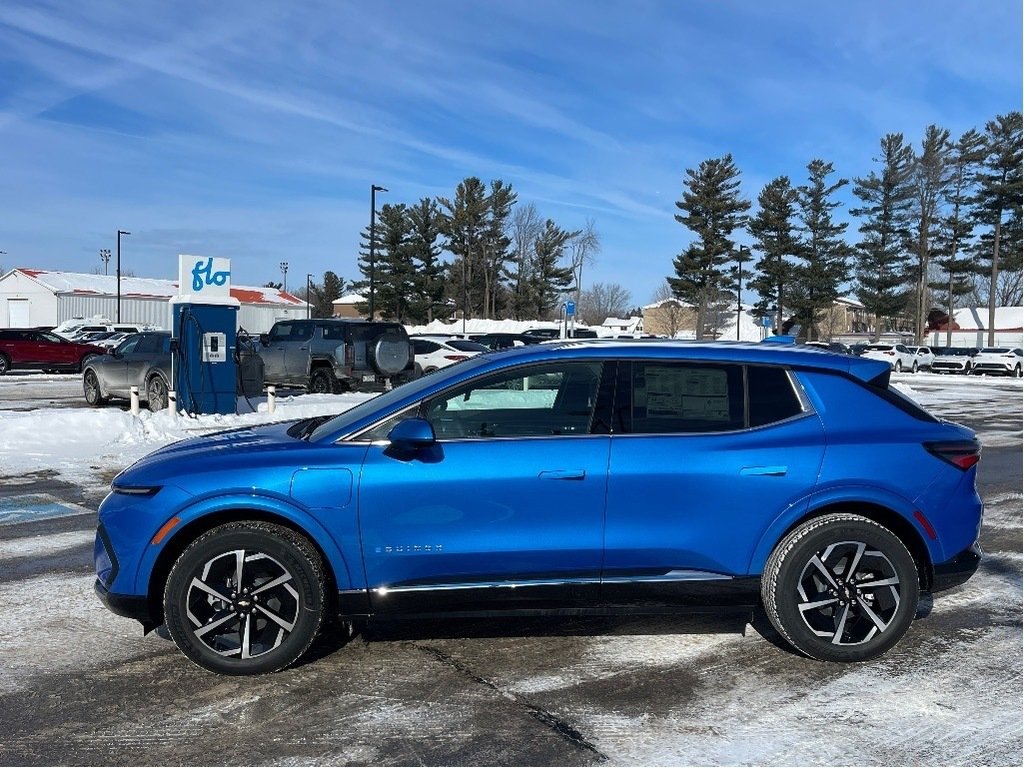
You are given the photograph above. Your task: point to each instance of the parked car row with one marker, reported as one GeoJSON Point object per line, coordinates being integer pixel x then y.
{"type": "Point", "coordinates": [964, 360]}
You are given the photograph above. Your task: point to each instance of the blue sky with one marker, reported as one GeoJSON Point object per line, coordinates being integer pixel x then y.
{"type": "Point", "coordinates": [254, 130]}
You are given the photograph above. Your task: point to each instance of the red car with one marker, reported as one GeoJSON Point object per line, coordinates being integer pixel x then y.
{"type": "Point", "coordinates": [27, 348]}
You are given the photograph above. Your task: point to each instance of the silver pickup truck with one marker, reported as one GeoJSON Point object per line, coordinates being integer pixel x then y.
{"type": "Point", "coordinates": [333, 355]}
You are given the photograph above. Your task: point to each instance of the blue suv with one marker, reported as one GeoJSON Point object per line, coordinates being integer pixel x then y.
{"type": "Point", "coordinates": [591, 477]}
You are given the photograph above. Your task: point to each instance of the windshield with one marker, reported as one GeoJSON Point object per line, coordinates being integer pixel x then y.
{"type": "Point", "coordinates": [956, 352]}
{"type": "Point", "coordinates": [879, 347]}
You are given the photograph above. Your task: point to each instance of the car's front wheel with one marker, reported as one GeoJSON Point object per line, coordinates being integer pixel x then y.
{"type": "Point", "coordinates": [841, 588]}
{"type": "Point", "coordinates": [913, 368]}
{"type": "Point", "coordinates": [91, 386]}
{"type": "Point", "coordinates": [5, 365]}
{"type": "Point", "coordinates": [898, 367]}
{"type": "Point", "coordinates": [245, 598]}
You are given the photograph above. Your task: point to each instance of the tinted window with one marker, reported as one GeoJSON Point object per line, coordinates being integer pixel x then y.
{"type": "Point", "coordinates": [467, 346]}
{"type": "Point", "coordinates": [424, 347]}
{"type": "Point", "coordinates": [128, 345]}
{"type": "Point", "coordinates": [771, 395]}
{"type": "Point", "coordinates": [686, 397]}
{"type": "Point", "coordinates": [150, 343]}
{"type": "Point", "coordinates": [333, 331]}
{"type": "Point", "coordinates": [552, 399]}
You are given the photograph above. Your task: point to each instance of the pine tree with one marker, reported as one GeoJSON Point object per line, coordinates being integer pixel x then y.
{"type": "Point", "coordinates": [714, 209]}
{"type": "Point", "coordinates": [824, 256]}
{"type": "Point", "coordinates": [395, 270]}
{"type": "Point", "coordinates": [494, 247]}
{"type": "Point", "coordinates": [322, 296]}
{"type": "Point", "coordinates": [773, 230]}
{"type": "Point", "coordinates": [999, 198]}
{"type": "Point", "coordinates": [931, 177]}
{"type": "Point", "coordinates": [882, 258]}
{"type": "Point", "coordinates": [953, 239]}
{"type": "Point", "coordinates": [463, 222]}
{"type": "Point", "coordinates": [550, 279]}
{"type": "Point", "coordinates": [424, 231]}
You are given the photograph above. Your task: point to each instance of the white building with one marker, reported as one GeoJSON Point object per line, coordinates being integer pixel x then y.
{"type": "Point", "coordinates": [970, 328]}
{"type": "Point", "coordinates": [31, 298]}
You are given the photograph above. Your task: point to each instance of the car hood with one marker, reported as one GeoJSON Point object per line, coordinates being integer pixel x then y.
{"type": "Point", "coordinates": [230, 450]}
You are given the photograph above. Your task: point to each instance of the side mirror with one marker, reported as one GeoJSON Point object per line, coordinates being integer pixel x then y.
{"type": "Point", "coordinates": [412, 434]}
{"type": "Point", "coordinates": [265, 339]}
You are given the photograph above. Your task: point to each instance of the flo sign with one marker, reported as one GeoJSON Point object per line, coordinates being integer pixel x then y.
{"type": "Point", "coordinates": [204, 277]}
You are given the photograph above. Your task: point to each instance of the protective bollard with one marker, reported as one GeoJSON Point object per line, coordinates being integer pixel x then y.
{"type": "Point", "coordinates": [135, 401]}
{"type": "Point", "coordinates": [271, 399]}
{"type": "Point", "coordinates": [172, 401]}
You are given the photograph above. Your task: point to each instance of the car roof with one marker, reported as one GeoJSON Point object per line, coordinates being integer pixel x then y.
{"type": "Point", "coordinates": [861, 368]}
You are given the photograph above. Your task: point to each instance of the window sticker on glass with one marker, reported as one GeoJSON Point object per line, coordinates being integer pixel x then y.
{"type": "Point", "coordinates": [691, 393]}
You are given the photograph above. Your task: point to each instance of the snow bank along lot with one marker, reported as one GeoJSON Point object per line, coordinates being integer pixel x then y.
{"type": "Point", "coordinates": [80, 685]}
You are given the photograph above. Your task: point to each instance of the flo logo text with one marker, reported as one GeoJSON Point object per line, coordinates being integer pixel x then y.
{"type": "Point", "coordinates": [203, 275]}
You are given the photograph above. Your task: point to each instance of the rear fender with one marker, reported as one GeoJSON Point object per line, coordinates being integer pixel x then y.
{"type": "Point", "coordinates": [836, 497]}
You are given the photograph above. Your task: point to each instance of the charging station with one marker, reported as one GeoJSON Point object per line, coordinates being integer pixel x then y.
{"type": "Point", "coordinates": [203, 337]}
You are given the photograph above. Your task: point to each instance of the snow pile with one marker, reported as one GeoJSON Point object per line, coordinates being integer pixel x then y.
{"type": "Point", "coordinates": [478, 325]}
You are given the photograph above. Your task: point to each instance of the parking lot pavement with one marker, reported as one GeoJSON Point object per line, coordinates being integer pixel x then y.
{"type": "Point", "coordinates": [81, 686]}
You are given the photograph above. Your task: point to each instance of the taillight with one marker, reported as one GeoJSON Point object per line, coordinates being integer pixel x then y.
{"type": "Point", "coordinates": [962, 454]}
{"type": "Point", "coordinates": [456, 358]}
{"type": "Point", "coordinates": [890, 353]}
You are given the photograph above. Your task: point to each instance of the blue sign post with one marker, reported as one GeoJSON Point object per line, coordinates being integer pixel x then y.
{"type": "Point", "coordinates": [570, 308]}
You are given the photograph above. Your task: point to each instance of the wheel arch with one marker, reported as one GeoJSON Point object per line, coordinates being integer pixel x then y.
{"type": "Point", "coordinates": [880, 513]}
{"type": "Point", "coordinates": [198, 524]}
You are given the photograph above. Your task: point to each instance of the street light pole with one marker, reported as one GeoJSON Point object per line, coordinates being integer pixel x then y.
{"type": "Point", "coordinates": [374, 189]}
{"type": "Point", "coordinates": [739, 287]}
{"type": "Point", "coordinates": [309, 278]}
{"type": "Point", "coordinates": [284, 271]}
{"type": "Point", "coordinates": [119, 233]}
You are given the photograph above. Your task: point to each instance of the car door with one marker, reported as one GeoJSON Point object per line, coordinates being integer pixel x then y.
{"type": "Point", "coordinates": [703, 458]}
{"type": "Point", "coordinates": [273, 352]}
{"type": "Point", "coordinates": [140, 359]}
{"type": "Point", "coordinates": [506, 508]}
{"type": "Point", "coordinates": [296, 353]}
{"type": "Point", "coordinates": [115, 370]}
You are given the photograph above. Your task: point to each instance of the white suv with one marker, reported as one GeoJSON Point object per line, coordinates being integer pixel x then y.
{"type": "Point", "coordinates": [925, 356]}
{"type": "Point", "coordinates": [999, 360]}
{"type": "Point", "coordinates": [896, 355]}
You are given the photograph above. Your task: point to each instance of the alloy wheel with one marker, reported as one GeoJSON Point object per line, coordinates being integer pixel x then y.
{"type": "Point", "coordinates": [156, 394]}
{"type": "Point", "coordinates": [242, 604]}
{"type": "Point", "coordinates": [848, 593]}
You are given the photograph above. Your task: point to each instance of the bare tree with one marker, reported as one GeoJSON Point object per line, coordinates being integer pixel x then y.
{"type": "Point", "coordinates": [525, 229]}
{"type": "Point", "coordinates": [671, 313]}
{"type": "Point", "coordinates": [601, 301]}
{"type": "Point", "coordinates": [582, 251]}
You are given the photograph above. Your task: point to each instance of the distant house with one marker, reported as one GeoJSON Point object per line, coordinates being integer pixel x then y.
{"type": "Point", "coordinates": [32, 298]}
{"type": "Point", "coordinates": [669, 317]}
{"type": "Point", "coordinates": [970, 328]}
{"type": "Point", "coordinates": [618, 325]}
{"type": "Point", "coordinates": [349, 306]}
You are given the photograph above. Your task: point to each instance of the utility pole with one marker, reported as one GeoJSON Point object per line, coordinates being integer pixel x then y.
{"type": "Point", "coordinates": [119, 233]}
{"type": "Point", "coordinates": [309, 309]}
{"type": "Point", "coordinates": [739, 286]}
{"type": "Point", "coordinates": [374, 189]}
{"type": "Point", "coordinates": [284, 272]}
{"type": "Point", "coordinates": [105, 258]}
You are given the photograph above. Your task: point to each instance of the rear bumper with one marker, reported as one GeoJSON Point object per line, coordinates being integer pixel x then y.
{"type": "Point", "coordinates": [957, 570]}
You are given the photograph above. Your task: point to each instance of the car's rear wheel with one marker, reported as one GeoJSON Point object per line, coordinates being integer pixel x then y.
{"type": "Point", "coordinates": [5, 365]}
{"type": "Point", "coordinates": [841, 588]}
{"type": "Point", "coordinates": [245, 598]}
{"type": "Point", "coordinates": [156, 393]}
{"type": "Point", "coordinates": [321, 381]}
{"type": "Point", "coordinates": [91, 386]}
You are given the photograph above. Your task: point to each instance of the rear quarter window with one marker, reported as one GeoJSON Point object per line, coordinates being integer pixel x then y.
{"type": "Point", "coordinates": [771, 395]}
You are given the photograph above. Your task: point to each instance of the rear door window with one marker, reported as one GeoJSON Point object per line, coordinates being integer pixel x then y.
{"type": "Point", "coordinates": [675, 397]}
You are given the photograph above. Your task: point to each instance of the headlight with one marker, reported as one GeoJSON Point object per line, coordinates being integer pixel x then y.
{"type": "Point", "coordinates": [140, 490]}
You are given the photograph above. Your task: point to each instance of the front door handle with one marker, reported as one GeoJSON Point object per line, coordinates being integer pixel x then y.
{"type": "Point", "coordinates": [776, 471]}
{"type": "Point", "coordinates": [563, 474]}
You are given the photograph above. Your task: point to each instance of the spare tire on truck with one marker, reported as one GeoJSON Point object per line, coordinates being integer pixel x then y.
{"type": "Point", "coordinates": [389, 353]}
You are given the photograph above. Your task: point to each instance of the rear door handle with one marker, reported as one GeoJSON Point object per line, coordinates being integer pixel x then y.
{"type": "Point", "coordinates": [563, 474]}
{"type": "Point", "coordinates": [764, 471]}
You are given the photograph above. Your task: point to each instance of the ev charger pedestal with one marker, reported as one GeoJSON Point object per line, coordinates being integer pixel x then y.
{"type": "Point", "coordinates": [204, 364]}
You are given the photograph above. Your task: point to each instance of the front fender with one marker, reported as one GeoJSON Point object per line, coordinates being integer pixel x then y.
{"type": "Point", "coordinates": [836, 496]}
{"type": "Point", "coordinates": [264, 506]}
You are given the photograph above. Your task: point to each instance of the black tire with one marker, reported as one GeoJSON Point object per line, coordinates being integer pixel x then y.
{"type": "Point", "coordinates": [913, 368]}
{"type": "Point", "coordinates": [156, 393]}
{"type": "Point", "coordinates": [1018, 372]}
{"type": "Point", "coordinates": [849, 616]}
{"type": "Point", "coordinates": [322, 381]}
{"type": "Point", "coordinates": [5, 365]}
{"type": "Point", "coordinates": [91, 387]}
{"type": "Point", "coordinates": [898, 367]}
{"type": "Point", "coordinates": [203, 591]}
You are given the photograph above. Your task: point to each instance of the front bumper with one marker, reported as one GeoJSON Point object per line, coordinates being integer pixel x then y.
{"type": "Point", "coordinates": [131, 606]}
{"type": "Point", "coordinates": [994, 368]}
{"type": "Point", "coordinates": [958, 569]}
